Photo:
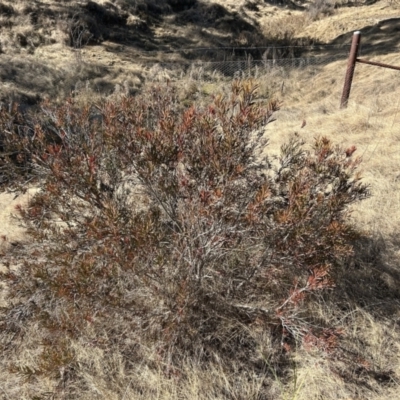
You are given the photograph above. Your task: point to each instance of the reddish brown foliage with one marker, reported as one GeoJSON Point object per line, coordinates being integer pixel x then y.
{"type": "Point", "coordinates": [219, 239]}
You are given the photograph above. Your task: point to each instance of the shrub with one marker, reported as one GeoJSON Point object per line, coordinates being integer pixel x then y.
{"type": "Point", "coordinates": [164, 228]}
{"type": "Point", "coordinates": [321, 8]}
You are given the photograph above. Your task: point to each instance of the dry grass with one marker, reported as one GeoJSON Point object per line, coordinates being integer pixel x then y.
{"type": "Point", "coordinates": [371, 122]}
{"type": "Point", "coordinates": [366, 304]}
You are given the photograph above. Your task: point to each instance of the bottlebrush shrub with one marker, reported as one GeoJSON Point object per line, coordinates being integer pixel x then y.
{"type": "Point", "coordinates": [165, 228]}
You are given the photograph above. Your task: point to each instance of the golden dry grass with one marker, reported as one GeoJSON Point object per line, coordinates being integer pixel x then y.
{"type": "Point", "coordinates": [371, 122]}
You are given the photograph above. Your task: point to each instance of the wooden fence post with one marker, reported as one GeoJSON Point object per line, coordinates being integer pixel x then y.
{"type": "Point", "coordinates": [350, 69]}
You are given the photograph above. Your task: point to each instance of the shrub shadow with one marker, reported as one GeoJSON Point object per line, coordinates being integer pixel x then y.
{"type": "Point", "coordinates": [370, 282]}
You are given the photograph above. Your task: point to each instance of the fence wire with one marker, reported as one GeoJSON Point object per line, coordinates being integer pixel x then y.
{"type": "Point", "coordinates": [241, 68]}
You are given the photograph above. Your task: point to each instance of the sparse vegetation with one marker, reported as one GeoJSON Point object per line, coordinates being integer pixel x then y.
{"type": "Point", "coordinates": [320, 8]}
{"type": "Point", "coordinates": [178, 235]}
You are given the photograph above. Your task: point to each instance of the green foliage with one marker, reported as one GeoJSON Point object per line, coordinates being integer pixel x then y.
{"type": "Point", "coordinates": [165, 228]}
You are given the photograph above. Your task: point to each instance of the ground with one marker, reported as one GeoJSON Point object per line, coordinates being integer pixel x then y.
{"type": "Point", "coordinates": [53, 49]}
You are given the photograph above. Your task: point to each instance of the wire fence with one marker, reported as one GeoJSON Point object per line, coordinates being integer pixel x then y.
{"type": "Point", "coordinates": [275, 69]}
{"type": "Point", "coordinates": [240, 68]}
{"type": "Point", "coordinates": [208, 64]}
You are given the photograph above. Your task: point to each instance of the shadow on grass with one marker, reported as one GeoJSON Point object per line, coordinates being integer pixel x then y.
{"type": "Point", "coordinates": [379, 39]}
{"type": "Point", "coordinates": [370, 282]}
{"type": "Point", "coordinates": [369, 287]}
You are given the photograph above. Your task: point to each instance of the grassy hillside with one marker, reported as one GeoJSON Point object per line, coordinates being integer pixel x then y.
{"type": "Point", "coordinates": [99, 50]}
{"type": "Point", "coordinates": [50, 48]}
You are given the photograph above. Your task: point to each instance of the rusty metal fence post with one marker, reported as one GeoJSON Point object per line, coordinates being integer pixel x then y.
{"type": "Point", "coordinates": [350, 69]}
